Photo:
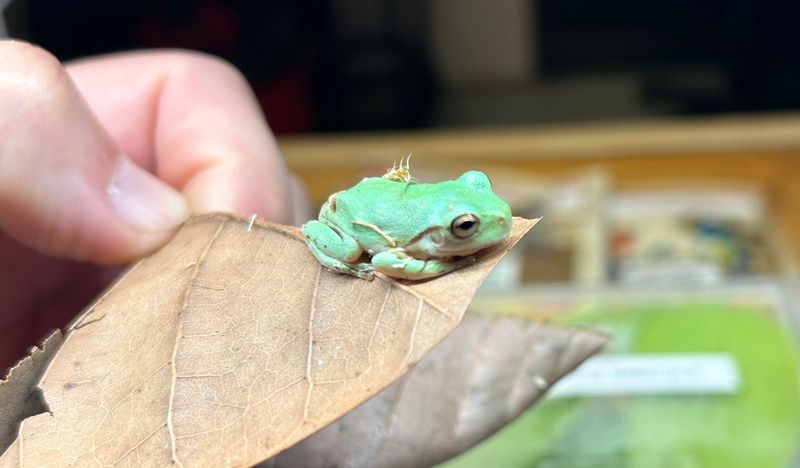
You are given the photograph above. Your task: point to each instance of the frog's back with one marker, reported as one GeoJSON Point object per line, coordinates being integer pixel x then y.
{"type": "Point", "coordinates": [390, 205]}
{"type": "Point", "coordinates": [378, 200]}
{"type": "Point", "coordinates": [376, 189]}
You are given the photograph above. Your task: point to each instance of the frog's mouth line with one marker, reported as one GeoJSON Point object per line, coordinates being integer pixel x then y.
{"type": "Point", "coordinates": [443, 253]}
{"type": "Point", "coordinates": [420, 246]}
{"type": "Point", "coordinates": [457, 253]}
{"type": "Point", "coordinates": [424, 254]}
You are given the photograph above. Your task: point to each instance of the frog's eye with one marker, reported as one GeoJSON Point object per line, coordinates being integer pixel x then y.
{"type": "Point", "coordinates": [464, 226]}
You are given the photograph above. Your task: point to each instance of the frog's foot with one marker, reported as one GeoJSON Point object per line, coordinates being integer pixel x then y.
{"type": "Point", "coordinates": [360, 269]}
{"type": "Point", "coordinates": [398, 264]}
{"type": "Point", "coordinates": [364, 271]}
{"type": "Point", "coordinates": [336, 250]}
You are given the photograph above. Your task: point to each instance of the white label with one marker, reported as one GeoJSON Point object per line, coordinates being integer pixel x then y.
{"type": "Point", "coordinates": [652, 374]}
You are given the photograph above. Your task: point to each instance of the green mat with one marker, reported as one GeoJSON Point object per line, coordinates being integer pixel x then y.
{"type": "Point", "coordinates": [756, 427]}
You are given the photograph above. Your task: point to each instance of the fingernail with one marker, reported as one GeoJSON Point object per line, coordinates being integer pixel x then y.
{"type": "Point", "coordinates": [143, 201]}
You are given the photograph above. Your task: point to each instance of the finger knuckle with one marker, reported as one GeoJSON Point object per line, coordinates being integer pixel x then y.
{"type": "Point", "coordinates": [29, 75]}
{"type": "Point", "coordinates": [203, 64]}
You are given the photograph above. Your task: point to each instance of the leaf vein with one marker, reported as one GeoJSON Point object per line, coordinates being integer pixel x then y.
{"type": "Point", "coordinates": [179, 333]}
{"type": "Point", "coordinates": [311, 343]}
{"type": "Point", "coordinates": [377, 324]}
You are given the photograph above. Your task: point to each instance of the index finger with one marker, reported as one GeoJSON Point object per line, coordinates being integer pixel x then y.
{"type": "Point", "coordinates": [193, 121]}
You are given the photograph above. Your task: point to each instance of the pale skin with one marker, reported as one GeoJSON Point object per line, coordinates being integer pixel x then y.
{"type": "Point", "coordinates": [102, 159]}
{"type": "Point", "coordinates": [405, 229]}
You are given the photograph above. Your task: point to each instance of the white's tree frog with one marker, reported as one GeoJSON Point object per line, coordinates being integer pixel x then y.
{"type": "Point", "coordinates": [409, 230]}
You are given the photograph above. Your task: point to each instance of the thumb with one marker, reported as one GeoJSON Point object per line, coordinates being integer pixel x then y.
{"type": "Point", "coordinates": [65, 188]}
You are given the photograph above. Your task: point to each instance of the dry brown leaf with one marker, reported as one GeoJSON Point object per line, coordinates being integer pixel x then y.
{"type": "Point", "coordinates": [482, 376]}
{"type": "Point", "coordinates": [18, 394]}
{"type": "Point", "coordinates": [230, 344]}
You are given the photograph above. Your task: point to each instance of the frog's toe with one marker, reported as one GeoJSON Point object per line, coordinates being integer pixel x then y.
{"type": "Point", "coordinates": [365, 272]}
{"type": "Point", "coordinates": [366, 275]}
{"type": "Point", "coordinates": [468, 260]}
{"type": "Point", "coordinates": [360, 270]}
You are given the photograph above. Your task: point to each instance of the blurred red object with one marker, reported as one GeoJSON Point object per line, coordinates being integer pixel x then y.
{"type": "Point", "coordinates": [286, 99]}
{"type": "Point", "coordinates": [214, 27]}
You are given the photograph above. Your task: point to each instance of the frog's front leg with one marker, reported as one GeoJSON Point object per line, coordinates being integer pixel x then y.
{"type": "Point", "coordinates": [398, 264]}
{"type": "Point", "coordinates": [336, 250]}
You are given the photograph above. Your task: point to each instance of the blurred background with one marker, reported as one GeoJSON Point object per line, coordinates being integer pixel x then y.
{"type": "Point", "coordinates": [660, 141]}
{"type": "Point", "coordinates": [346, 65]}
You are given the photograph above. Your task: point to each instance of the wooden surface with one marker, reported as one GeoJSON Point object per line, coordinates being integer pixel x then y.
{"type": "Point", "coordinates": [752, 151]}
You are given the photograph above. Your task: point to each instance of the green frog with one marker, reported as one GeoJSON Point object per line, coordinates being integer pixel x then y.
{"type": "Point", "coordinates": [406, 229]}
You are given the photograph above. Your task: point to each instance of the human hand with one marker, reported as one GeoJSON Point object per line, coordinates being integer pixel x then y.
{"type": "Point", "coordinates": [102, 159]}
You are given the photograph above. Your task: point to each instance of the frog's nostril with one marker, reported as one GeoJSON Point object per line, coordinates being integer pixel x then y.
{"type": "Point", "coordinates": [501, 220]}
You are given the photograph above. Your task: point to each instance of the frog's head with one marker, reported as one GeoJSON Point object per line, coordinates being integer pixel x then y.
{"type": "Point", "coordinates": [472, 217]}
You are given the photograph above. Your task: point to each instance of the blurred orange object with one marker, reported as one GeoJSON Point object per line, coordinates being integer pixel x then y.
{"type": "Point", "coordinates": [761, 152]}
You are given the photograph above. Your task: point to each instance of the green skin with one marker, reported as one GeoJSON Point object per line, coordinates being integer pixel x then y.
{"type": "Point", "coordinates": [406, 227]}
